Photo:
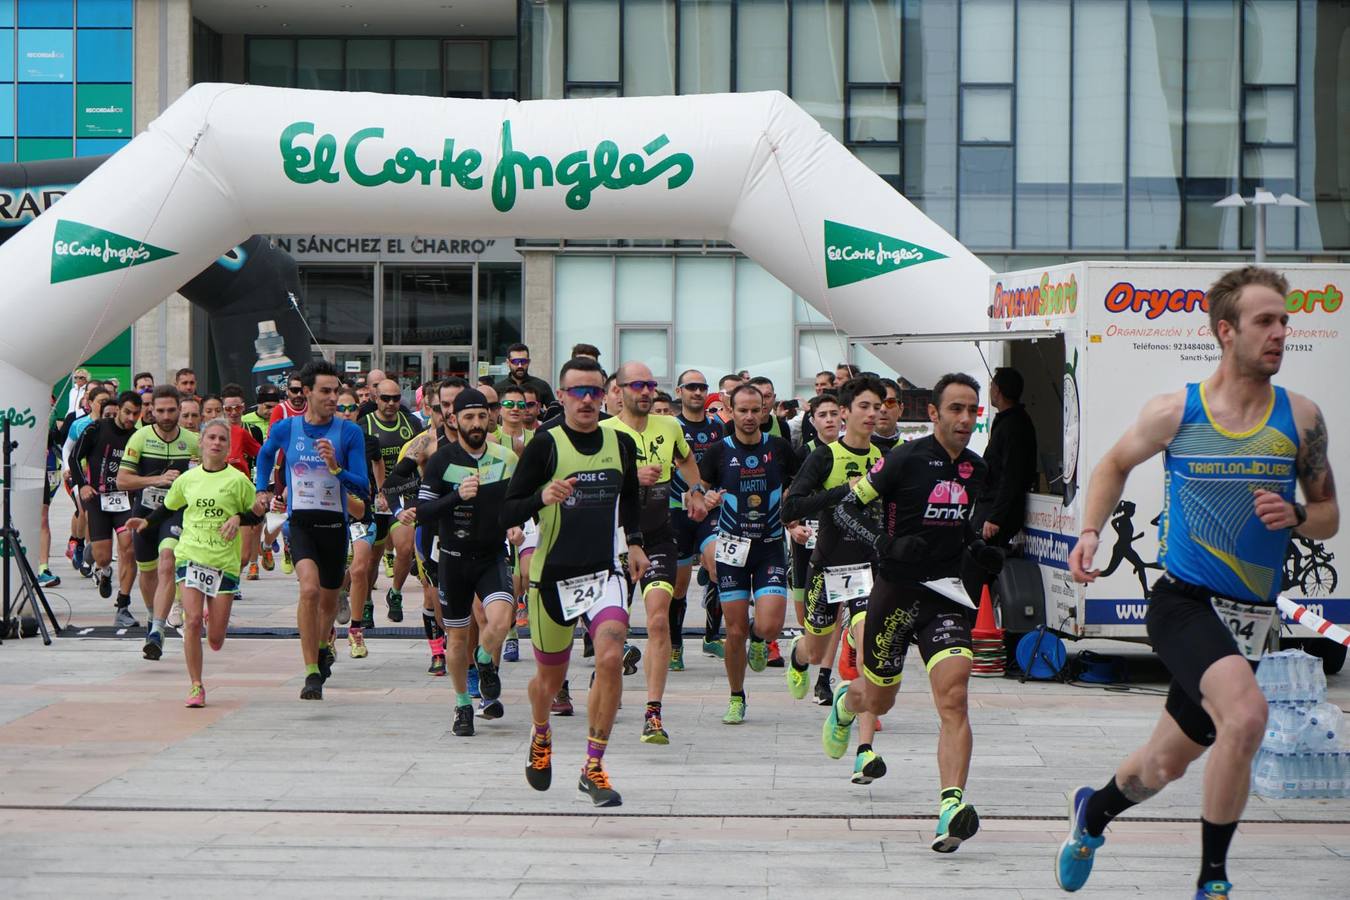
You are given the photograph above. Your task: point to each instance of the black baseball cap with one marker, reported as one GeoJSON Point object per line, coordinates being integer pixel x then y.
{"type": "Point", "coordinates": [469, 398]}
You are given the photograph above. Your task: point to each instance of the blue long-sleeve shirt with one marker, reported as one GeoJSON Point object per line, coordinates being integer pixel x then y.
{"type": "Point", "coordinates": [349, 447]}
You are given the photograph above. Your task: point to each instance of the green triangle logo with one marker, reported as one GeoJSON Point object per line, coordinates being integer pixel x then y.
{"type": "Point", "coordinates": [79, 251]}
{"type": "Point", "coordinates": [856, 254]}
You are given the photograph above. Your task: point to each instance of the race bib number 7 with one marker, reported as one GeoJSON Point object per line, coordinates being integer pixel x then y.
{"type": "Point", "coordinates": [732, 550]}
{"type": "Point", "coordinates": [848, 582]}
{"type": "Point", "coordinates": [203, 578]}
{"type": "Point", "coordinates": [1250, 625]}
{"type": "Point", "coordinates": [580, 595]}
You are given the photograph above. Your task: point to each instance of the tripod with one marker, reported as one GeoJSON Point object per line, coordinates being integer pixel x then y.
{"type": "Point", "coordinates": [30, 591]}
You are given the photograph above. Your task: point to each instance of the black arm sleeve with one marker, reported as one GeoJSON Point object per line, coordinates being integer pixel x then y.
{"type": "Point", "coordinates": [524, 493]}
{"type": "Point", "coordinates": [805, 499]}
{"type": "Point", "coordinates": [630, 510]}
{"type": "Point", "coordinates": [162, 514]}
{"type": "Point", "coordinates": [82, 449]}
{"type": "Point", "coordinates": [433, 500]}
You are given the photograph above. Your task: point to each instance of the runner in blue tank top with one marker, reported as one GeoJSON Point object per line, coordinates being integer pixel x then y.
{"type": "Point", "coordinates": [1233, 447]}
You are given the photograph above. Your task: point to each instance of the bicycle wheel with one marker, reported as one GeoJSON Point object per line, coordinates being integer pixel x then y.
{"type": "Point", "coordinates": [1319, 580]}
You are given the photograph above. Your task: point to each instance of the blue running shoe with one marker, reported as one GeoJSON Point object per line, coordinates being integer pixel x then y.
{"type": "Point", "coordinates": [473, 682]}
{"type": "Point", "coordinates": [957, 822]}
{"type": "Point", "coordinates": [47, 579]}
{"type": "Point", "coordinates": [511, 650]}
{"type": "Point", "coordinates": [1074, 863]}
{"type": "Point", "coordinates": [1214, 890]}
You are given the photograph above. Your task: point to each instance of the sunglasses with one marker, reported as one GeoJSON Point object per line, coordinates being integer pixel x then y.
{"type": "Point", "coordinates": [890, 403]}
{"type": "Point", "coordinates": [231, 407]}
{"type": "Point", "coordinates": [584, 392]}
{"type": "Point", "coordinates": [390, 398]}
{"type": "Point", "coordinates": [641, 385]}
{"type": "Point", "coordinates": [295, 390]}
{"type": "Point", "coordinates": [523, 361]}
{"type": "Point", "coordinates": [346, 407]}
{"type": "Point", "coordinates": [531, 404]}
{"type": "Point", "coordinates": [694, 386]}
{"type": "Point", "coordinates": [494, 406]}
{"type": "Point", "coordinates": [513, 404]}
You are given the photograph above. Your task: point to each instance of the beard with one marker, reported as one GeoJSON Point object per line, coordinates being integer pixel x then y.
{"type": "Point", "coordinates": [475, 437]}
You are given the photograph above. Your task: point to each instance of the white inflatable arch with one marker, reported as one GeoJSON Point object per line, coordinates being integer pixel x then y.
{"type": "Point", "coordinates": [228, 161]}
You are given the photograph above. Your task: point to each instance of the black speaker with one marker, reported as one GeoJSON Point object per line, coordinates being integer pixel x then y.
{"type": "Point", "coordinates": [1019, 594]}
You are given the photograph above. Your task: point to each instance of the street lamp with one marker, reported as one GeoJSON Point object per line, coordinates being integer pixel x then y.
{"type": "Point", "coordinates": [1261, 199]}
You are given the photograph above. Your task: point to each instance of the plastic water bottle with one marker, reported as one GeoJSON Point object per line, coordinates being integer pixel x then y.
{"type": "Point", "coordinates": [1289, 775]}
{"type": "Point", "coordinates": [1272, 676]}
{"type": "Point", "coordinates": [1322, 728]}
{"type": "Point", "coordinates": [1266, 779]}
{"type": "Point", "coordinates": [273, 363]}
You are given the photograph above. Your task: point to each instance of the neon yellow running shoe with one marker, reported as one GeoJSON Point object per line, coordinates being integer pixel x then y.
{"type": "Point", "coordinates": [868, 767]}
{"type": "Point", "coordinates": [735, 712]}
{"type": "Point", "coordinates": [957, 822]}
{"type": "Point", "coordinates": [758, 658]}
{"type": "Point", "coordinates": [677, 659]}
{"type": "Point", "coordinates": [838, 727]}
{"type": "Point", "coordinates": [798, 680]}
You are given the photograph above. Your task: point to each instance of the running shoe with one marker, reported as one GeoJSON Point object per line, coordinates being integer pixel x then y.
{"type": "Point", "coordinates": [105, 582]}
{"type": "Point", "coordinates": [474, 688]}
{"type": "Point", "coordinates": [539, 770]}
{"type": "Point", "coordinates": [48, 580]}
{"type": "Point", "coordinates": [758, 657]}
{"type": "Point", "coordinates": [196, 697]}
{"type": "Point", "coordinates": [957, 822]}
{"type": "Point", "coordinates": [595, 784]}
{"type": "Point", "coordinates": [1074, 863]}
{"type": "Point", "coordinates": [653, 733]}
{"type": "Point", "coordinates": [631, 657]}
{"type": "Point", "coordinates": [463, 726]}
{"type": "Point", "coordinates": [735, 712]}
{"type": "Point", "coordinates": [269, 562]}
{"type": "Point", "coordinates": [511, 650]}
{"type": "Point", "coordinates": [71, 546]}
{"type": "Point", "coordinates": [154, 646]}
{"type": "Point", "coordinates": [394, 602]}
{"type": "Point", "coordinates": [344, 614]}
{"type": "Point", "coordinates": [287, 564]}
{"type": "Point", "coordinates": [522, 619]}
{"type": "Point", "coordinates": [835, 733]}
{"type": "Point", "coordinates": [437, 665]}
{"type": "Point", "coordinates": [717, 648]}
{"type": "Point", "coordinates": [252, 571]}
{"type": "Point", "coordinates": [86, 568]}
{"type": "Point", "coordinates": [313, 689]}
{"type": "Point", "coordinates": [489, 682]}
{"type": "Point", "coordinates": [775, 655]}
{"type": "Point", "coordinates": [326, 659]}
{"type": "Point", "coordinates": [562, 704]}
{"type": "Point", "coordinates": [78, 559]}
{"type": "Point", "coordinates": [868, 767]}
{"type": "Point", "coordinates": [798, 681]}
{"type": "Point", "coordinates": [389, 565]}
{"type": "Point", "coordinates": [491, 709]}
{"type": "Point", "coordinates": [848, 659]}
{"type": "Point", "coordinates": [356, 644]}
{"type": "Point", "coordinates": [677, 659]}
{"type": "Point", "coordinates": [824, 692]}
{"type": "Point", "coordinates": [1214, 890]}
{"type": "Point", "coordinates": [368, 614]}
{"type": "Point", "coordinates": [124, 619]}
{"type": "Point", "coordinates": [175, 619]}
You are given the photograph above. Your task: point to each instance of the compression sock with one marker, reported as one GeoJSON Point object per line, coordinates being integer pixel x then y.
{"type": "Point", "coordinates": [543, 730]}
{"type": "Point", "coordinates": [1103, 806]}
{"type": "Point", "coordinates": [482, 657]}
{"type": "Point", "coordinates": [595, 752]}
{"type": "Point", "coordinates": [463, 699]}
{"type": "Point", "coordinates": [1214, 841]}
{"type": "Point", "coordinates": [677, 609]}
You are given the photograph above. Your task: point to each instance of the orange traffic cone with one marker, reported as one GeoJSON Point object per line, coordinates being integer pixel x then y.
{"type": "Point", "coordinates": [987, 641]}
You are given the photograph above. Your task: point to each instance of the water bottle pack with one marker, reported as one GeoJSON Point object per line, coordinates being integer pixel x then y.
{"type": "Point", "coordinates": [1306, 750]}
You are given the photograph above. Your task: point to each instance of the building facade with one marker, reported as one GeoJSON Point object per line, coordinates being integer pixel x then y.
{"type": "Point", "coordinates": [1036, 131]}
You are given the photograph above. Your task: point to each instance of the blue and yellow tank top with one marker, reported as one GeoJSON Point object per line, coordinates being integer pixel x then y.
{"type": "Point", "coordinates": [1209, 533]}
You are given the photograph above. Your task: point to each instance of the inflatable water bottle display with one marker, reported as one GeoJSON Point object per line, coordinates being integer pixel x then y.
{"type": "Point", "coordinates": [273, 363]}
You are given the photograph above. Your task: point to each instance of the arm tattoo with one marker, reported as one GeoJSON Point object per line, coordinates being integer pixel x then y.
{"type": "Point", "coordinates": [1318, 482]}
{"type": "Point", "coordinates": [1136, 791]}
{"type": "Point", "coordinates": [419, 446]}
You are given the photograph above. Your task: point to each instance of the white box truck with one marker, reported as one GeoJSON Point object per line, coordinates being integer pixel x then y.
{"type": "Point", "coordinates": [1094, 341]}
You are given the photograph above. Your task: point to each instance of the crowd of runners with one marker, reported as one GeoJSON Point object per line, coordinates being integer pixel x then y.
{"type": "Point", "coordinates": [524, 505]}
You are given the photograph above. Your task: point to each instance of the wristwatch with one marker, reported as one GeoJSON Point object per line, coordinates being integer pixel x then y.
{"type": "Point", "coordinates": [1300, 514]}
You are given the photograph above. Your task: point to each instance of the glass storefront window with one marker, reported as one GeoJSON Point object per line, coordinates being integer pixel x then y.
{"type": "Point", "coordinates": [369, 65]}
{"type": "Point", "coordinates": [705, 46]}
{"type": "Point", "coordinates": [271, 62]}
{"type": "Point", "coordinates": [465, 69]}
{"type": "Point", "coordinates": [340, 303]}
{"type": "Point", "coordinates": [428, 304]}
{"type": "Point", "coordinates": [593, 40]}
{"type": "Point", "coordinates": [703, 291]}
{"type": "Point", "coordinates": [318, 64]}
{"type": "Point", "coordinates": [649, 48]}
{"type": "Point", "coordinates": [499, 304]}
{"type": "Point", "coordinates": [583, 306]}
{"type": "Point", "coordinates": [651, 346]}
{"type": "Point", "coordinates": [642, 289]}
{"type": "Point", "coordinates": [417, 67]}
{"type": "Point", "coordinates": [761, 45]}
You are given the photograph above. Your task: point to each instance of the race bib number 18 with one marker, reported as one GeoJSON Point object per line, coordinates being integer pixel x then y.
{"type": "Point", "coordinates": [1249, 624]}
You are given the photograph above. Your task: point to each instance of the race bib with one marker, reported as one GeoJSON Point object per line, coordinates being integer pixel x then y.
{"type": "Point", "coordinates": [814, 525]}
{"type": "Point", "coordinates": [203, 578]}
{"type": "Point", "coordinates": [317, 489]}
{"type": "Point", "coordinates": [847, 582]}
{"type": "Point", "coordinates": [53, 480]}
{"type": "Point", "coordinates": [732, 550]}
{"type": "Point", "coordinates": [1249, 624]}
{"type": "Point", "coordinates": [358, 531]}
{"type": "Point", "coordinates": [952, 589]}
{"type": "Point", "coordinates": [579, 595]}
{"type": "Point", "coordinates": [153, 497]}
{"type": "Point", "coordinates": [115, 502]}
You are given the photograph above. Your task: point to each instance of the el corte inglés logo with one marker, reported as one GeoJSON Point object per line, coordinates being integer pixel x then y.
{"type": "Point", "coordinates": [80, 250]}
{"type": "Point", "coordinates": [856, 254]}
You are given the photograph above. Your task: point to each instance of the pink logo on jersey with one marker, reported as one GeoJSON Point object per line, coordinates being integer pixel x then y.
{"type": "Point", "coordinates": [876, 466]}
{"type": "Point", "coordinates": [965, 469]}
{"type": "Point", "coordinates": [949, 492]}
